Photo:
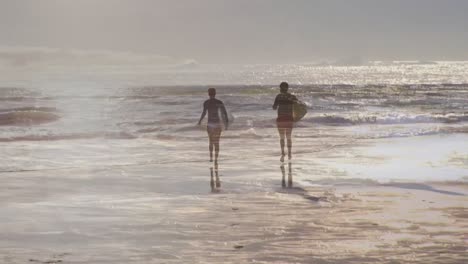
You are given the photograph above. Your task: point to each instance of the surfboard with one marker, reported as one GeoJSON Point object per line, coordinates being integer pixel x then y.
{"type": "Point", "coordinates": [299, 110]}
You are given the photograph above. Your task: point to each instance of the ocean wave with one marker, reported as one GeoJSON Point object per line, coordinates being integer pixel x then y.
{"type": "Point", "coordinates": [406, 134]}
{"type": "Point", "coordinates": [390, 119]}
{"type": "Point", "coordinates": [29, 108]}
{"type": "Point", "coordinates": [417, 62]}
{"type": "Point", "coordinates": [419, 132]}
{"type": "Point", "coordinates": [167, 121]}
{"type": "Point", "coordinates": [245, 125]}
{"type": "Point", "coordinates": [249, 133]}
{"type": "Point", "coordinates": [72, 136]}
{"type": "Point", "coordinates": [28, 56]}
{"type": "Point", "coordinates": [256, 97]}
{"type": "Point", "coordinates": [253, 133]}
{"type": "Point", "coordinates": [245, 134]}
{"type": "Point", "coordinates": [434, 118]}
{"type": "Point", "coordinates": [26, 118]}
{"type": "Point", "coordinates": [150, 130]}
{"type": "Point", "coordinates": [17, 94]}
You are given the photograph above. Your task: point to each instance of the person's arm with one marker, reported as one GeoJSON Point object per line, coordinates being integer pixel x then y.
{"type": "Point", "coordinates": [275, 104]}
{"type": "Point", "coordinates": [203, 114]}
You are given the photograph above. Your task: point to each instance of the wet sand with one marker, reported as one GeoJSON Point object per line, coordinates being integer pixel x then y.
{"type": "Point", "coordinates": [165, 214]}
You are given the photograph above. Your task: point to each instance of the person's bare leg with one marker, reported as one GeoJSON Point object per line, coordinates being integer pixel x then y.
{"type": "Point", "coordinates": [216, 144]}
{"type": "Point", "coordinates": [216, 147]}
{"type": "Point", "coordinates": [210, 137]}
{"type": "Point", "coordinates": [281, 133]}
{"type": "Point", "coordinates": [288, 136]}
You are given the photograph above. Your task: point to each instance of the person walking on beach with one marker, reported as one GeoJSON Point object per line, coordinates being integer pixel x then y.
{"type": "Point", "coordinates": [214, 127]}
{"type": "Point", "coordinates": [284, 104]}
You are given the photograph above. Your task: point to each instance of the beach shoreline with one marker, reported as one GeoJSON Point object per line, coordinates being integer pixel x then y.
{"type": "Point", "coordinates": [148, 214]}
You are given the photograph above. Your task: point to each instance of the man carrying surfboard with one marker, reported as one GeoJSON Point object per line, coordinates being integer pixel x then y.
{"type": "Point", "coordinates": [215, 124]}
{"type": "Point", "coordinates": [290, 110]}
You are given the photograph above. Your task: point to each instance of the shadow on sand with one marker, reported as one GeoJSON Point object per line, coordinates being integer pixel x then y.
{"type": "Point", "coordinates": [289, 188]}
{"type": "Point", "coordinates": [422, 187]}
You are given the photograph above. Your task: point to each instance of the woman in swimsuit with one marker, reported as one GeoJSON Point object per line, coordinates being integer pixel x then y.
{"type": "Point", "coordinates": [214, 127]}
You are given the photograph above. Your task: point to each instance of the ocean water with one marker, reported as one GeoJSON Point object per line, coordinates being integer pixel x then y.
{"type": "Point", "coordinates": [57, 117]}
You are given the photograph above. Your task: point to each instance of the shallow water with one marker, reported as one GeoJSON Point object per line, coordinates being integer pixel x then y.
{"type": "Point", "coordinates": [59, 118]}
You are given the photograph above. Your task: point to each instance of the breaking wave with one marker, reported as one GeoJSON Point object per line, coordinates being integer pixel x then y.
{"type": "Point", "coordinates": [27, 116]}
{"type": "Point", "coordinates": [390, 119]}
{"type": "Point", "coordinates": [72, 136]}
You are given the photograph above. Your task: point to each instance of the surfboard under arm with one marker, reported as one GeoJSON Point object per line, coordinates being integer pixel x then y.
{"type": "Point", "coordinates": [299, 110]}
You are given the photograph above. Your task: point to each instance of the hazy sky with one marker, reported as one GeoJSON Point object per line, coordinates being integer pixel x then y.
{"type": "Point", "coordinates": [236, 31]}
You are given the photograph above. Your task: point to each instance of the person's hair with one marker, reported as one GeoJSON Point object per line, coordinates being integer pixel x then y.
{"type": "Point", "coordinates": [212, 92]}
{"type": "Point", "coordinates": [284, 86]}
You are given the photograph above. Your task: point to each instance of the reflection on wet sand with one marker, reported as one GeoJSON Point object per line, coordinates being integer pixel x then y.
{"type": "Point", "coordinates": [290, 178]}
{"type": "Point", "coordinates": [215, 183]}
